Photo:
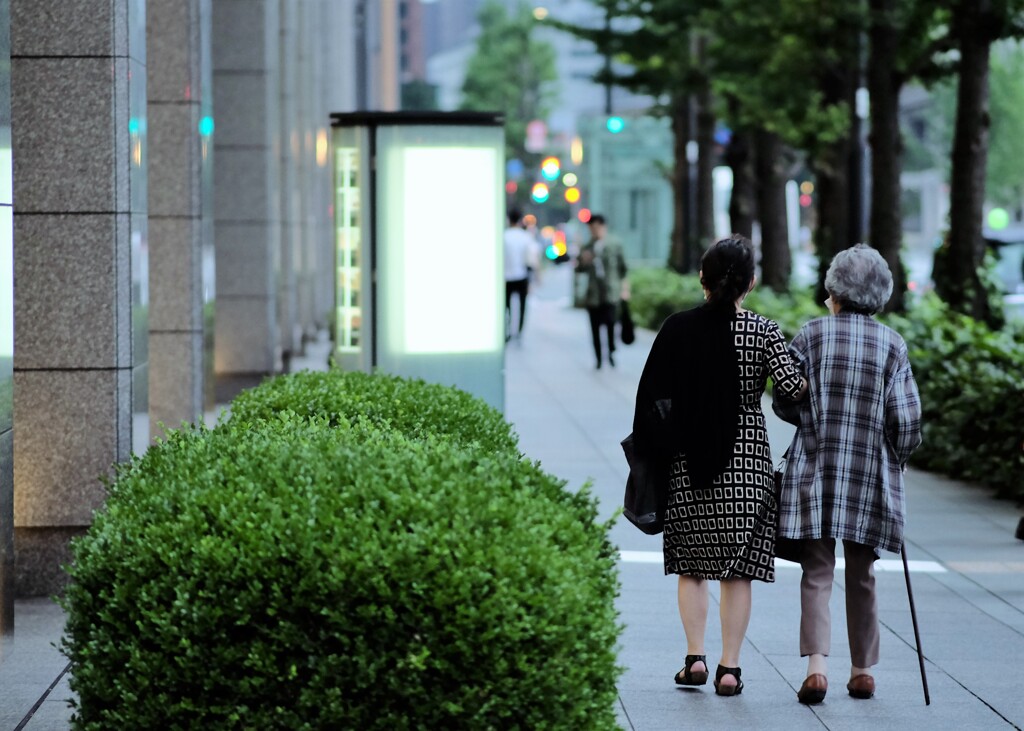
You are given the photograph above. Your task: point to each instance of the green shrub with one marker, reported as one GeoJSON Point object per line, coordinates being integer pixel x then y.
{"type": "Point", "coordinates": [971, 393]}
{"type": "Point", "coordinates": [790, 310]}
{"type": "Point", "coordinates": [413, 407]}
{"type": "Point", "coordinates": [656, 293]}
{"type": "Point", "coordinates": [301, 575]}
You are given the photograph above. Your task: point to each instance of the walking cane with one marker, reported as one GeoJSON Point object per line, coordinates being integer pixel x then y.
{"type": "Point", "coordinates": [917, 634]}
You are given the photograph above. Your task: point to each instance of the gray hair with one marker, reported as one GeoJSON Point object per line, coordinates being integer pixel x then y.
{"type": "Point", "coordinates": [860, 279]}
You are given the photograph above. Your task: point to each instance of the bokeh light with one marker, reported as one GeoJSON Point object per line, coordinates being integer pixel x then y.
{"type": "Point", "coordinates": [998, 218]}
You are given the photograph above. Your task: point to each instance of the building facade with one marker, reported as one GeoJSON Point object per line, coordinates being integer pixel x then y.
{"type": "Point", "coordinates": [171, 240]}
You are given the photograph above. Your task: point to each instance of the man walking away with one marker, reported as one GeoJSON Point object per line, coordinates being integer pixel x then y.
{"type": "Point", "coordinates": [604, 263]}
{"type": "Point", "coordinates": [520, 255]}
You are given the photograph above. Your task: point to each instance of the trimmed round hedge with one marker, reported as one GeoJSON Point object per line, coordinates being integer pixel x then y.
{"type": "Point", "coordinates": [411, 406]}
{"type": "Point", "coordinates": [304, 575]}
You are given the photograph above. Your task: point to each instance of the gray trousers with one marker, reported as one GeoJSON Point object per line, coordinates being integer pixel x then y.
{"type": "Point", "coordinates": [819, 562]}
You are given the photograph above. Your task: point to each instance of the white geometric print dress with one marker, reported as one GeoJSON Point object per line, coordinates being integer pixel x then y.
{"type": "Point", "coordinates": [728, 530]}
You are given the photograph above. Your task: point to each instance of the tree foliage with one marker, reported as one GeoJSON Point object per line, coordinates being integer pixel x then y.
{"type": "Point", "coordinates": [511, 72]}
{"type": "Point", "coordinates": [769, 56]}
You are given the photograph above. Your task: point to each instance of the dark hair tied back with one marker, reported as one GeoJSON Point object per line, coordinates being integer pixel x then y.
{"type": "Point", "coordinates": [728, 268]}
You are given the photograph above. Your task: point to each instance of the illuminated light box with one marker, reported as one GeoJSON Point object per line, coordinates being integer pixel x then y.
{"type": "Point", "coordinates": [418, 215]}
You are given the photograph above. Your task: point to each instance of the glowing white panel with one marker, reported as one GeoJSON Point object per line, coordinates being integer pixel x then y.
{"type": "Point", "coordinates": [6, 166]}
{"type": "Point", "coordinates": [6, 283]}
{"type": "Point", "coordinates": [442, 264]}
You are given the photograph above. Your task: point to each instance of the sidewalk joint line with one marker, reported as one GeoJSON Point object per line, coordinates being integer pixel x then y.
{"type": "Point", "coordinates": [622, 705]}
{"type": "Point", "coordinates": [42, 698]}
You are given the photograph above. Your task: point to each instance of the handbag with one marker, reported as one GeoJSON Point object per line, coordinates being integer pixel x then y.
{"type": "Point", "coordinates": [580, 285]}
{"type": "Point", "coordinates": [646, 492]}
{"type": "Point", "coordinates": [627, 331]}
{"type": "Point", "coordinates": [788, 549]}
{"type": "Point", "coordinates": [646, 498]}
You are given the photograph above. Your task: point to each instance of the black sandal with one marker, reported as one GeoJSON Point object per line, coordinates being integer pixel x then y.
{"type": "Point", "coordinates": [728, 689]}
{"type": "Point", "coordinates": [689, 677]}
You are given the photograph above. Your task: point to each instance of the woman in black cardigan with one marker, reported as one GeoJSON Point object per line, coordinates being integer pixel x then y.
{"type": "Point", "coordinates": [712, 362]}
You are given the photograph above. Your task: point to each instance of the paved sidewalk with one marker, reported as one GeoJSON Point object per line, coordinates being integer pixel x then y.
{"type": "Point", "coordinates": [968, 579]}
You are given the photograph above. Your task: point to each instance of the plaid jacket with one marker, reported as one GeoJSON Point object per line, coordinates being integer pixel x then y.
{"type": "Point", "coordinates": [858, 425]}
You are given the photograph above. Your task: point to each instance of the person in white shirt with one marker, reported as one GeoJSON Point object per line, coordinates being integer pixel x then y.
{"type": "Point", "coordinates": [520, 257]}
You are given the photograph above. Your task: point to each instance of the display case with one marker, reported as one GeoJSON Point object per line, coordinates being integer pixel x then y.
{"type": "Point", "coordinates": [419, 214]}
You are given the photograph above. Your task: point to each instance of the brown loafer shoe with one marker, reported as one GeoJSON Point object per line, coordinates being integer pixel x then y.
{"type": "Point", "coordinates": [813, 690]}
{"type": "Point", "coordinates": [862, 686]}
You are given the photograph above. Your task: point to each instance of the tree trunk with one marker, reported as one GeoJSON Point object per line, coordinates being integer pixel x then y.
{"type": "Point", "coordinates": [705, 155]}
{"type": "Point", "coordinates": [956, 267]}
{"type": "Point", "coordinates": [680, 255]}
{"type": "Point", "coordinates": [741, 203]}
{"type": "Point", "coordinates": [705, 167]}
{"type": "Point", "coordinates": [833, 207]}
{"type": "Point", "coordinates": [886, 225]}
{"type": "Point", "coordinates": [771, 211]}
{"type": "Point", "coordinates": [831, 164]}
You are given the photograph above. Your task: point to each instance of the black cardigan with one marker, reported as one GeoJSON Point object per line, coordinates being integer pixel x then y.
{"type": "Point", "coordinates": [693, 363]}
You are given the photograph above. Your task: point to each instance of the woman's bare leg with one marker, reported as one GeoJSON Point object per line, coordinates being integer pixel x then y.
{"type": "Point", "coordinates": [734, 611]}
{"type": "Point", "coordinates": [693, 610]}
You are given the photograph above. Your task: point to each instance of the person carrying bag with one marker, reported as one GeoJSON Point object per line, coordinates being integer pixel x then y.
{"type": "Point", "coordinates": [711, 454]}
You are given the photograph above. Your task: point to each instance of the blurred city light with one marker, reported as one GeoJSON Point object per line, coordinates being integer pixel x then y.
{"type": "Point", "coordinates": [576, 151]}
{"type": "Point", "coordinates": [569, 180]}
{"type": "Point", "coordinates": [550, 168]}
{"type": "Point", "coordinates": [540, 13]}
{"type": "Point", "coordinates": [998, 218]}
{"type": "Point", "coordinates": [805, 200]}
{"type": "Point", "coordinates": [583, 215]}
{"type": "Point", "coordinates": [807, 187]}
{"type": "Point", "coordinates": [572, 195]}
{"type": "Point", "coordinates": [321, 144]}
{"type": "Point", "coordinates": [514, 168]}
{"type": "Point", "coordinates": [529, 220]}
{"type": "Point", "coordinates": [540, 192]}
{"type": "Point", "coordinates": [511, 187]}
{"type": "Point", "coordinates": [615, 124]}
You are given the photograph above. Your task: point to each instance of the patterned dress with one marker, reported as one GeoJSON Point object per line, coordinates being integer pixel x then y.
{"type": "Point", "coordinates": [727, 531]}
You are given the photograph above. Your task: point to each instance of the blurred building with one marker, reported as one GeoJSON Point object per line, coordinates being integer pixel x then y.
{"type": "Point", "coordinates": [172, 237]}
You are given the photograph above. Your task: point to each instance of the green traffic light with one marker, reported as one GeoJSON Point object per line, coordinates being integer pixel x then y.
{"type": "Point", "coordinates": [615, 124]}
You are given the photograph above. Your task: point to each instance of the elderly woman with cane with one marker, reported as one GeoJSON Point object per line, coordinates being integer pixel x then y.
{"type": "Point", "coordinates": [844, 477]}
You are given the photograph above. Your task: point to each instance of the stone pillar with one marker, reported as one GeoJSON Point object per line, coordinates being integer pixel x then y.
{"type": "Point", "coordinates": [176, 129]}
{"type": "Point", "coordinates": [6, 333]}
{"type": "Point", "coordinates": [291, 191]}
{"type": "Point", "coordinates": [306, 165]}
{"type": "Point", "coordinates": [246, 191]}
{"type": "Point", "coordinates": [78, 102]}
